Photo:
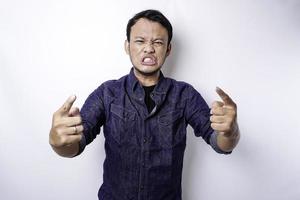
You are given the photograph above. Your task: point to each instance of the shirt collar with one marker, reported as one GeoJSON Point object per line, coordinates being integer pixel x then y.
{"type": "Point", "coordinates": [161, 87]}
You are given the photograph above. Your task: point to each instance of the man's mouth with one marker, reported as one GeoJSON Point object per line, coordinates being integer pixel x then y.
{"type": "Point", "coordinates": [149, 60]}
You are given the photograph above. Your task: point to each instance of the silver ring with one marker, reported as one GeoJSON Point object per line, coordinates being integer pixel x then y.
{"type": "Point", "coordinates": [75, 129]}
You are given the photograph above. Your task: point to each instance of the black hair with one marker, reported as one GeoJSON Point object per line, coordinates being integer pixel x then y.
{"type": "Point", "coordinates": [152, 15]}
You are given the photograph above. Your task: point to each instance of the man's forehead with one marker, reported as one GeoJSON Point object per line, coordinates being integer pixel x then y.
{"type": "Point", "coordinates": [143, 27]}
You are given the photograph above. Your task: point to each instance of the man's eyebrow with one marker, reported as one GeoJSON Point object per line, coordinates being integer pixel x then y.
{"type": "Point", "coordinates": [139, 37]}
{"type": "Point", "coordinates": [159, 39]}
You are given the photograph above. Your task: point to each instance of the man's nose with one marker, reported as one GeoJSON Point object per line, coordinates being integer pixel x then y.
{"type": "Point", "coordinates": [149, 48]}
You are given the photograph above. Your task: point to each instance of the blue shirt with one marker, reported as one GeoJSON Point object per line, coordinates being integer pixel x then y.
{"type": "Point", "coordinates": [144, 151]}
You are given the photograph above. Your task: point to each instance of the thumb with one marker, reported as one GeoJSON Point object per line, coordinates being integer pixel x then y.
{"type": "Point", "coordinates": [74, 111]}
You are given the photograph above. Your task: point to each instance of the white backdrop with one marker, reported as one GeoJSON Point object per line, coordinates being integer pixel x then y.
{"type": "Point", "coordinates": [251, 49]}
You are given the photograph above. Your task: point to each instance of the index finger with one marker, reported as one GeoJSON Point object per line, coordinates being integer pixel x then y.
{"type": "Point", "coordinates": [65, 108]}
{"type": "Point", "coordinates": [225, 97]}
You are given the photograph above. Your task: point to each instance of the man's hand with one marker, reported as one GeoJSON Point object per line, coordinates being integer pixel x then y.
{"type": "Point", "coordinates": [223, 118]}
{"type": "Point", "coordinates": [66, 130]}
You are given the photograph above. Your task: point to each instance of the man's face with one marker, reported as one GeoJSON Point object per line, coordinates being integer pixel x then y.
{"type": "Point", "coordinates": [148, 47]}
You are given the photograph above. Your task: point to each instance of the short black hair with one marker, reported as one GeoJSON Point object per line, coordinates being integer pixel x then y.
{"type": "Point", "coordinates": [152, 15]}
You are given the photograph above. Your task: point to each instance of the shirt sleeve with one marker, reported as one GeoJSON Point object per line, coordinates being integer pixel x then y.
{"type": "Point", "coordinates": [93, 117]}
{"type": "Point", "coordinates": [198, 116]}
{"type": "Point", "coordinates": [214, 145]}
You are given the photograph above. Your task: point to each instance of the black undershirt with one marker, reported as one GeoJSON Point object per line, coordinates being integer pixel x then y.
{"type": "Point", "coordinates": [148, 101]}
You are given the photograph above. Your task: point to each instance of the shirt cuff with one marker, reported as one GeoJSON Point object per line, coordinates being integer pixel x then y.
{"type": "Point", "coordinates": [214, 144]}
{"type": "Point", "coordinates": [82, 144]}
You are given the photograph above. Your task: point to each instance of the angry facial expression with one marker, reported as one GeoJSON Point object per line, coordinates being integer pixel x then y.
{"type": "Point", "coordinates": [148, 47]}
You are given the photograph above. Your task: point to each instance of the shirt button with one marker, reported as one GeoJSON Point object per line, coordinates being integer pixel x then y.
{"type": "Point", "coordinates": [145, 140]}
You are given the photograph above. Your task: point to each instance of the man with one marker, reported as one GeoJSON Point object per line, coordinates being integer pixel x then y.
{"type": "Point", "coordinates": [144, 116]}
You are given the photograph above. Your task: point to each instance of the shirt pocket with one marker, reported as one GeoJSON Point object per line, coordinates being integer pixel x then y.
{"type": "Point", "coordinates": [171, 128]}
{"type": "Point", "coordinates": [122, 123]}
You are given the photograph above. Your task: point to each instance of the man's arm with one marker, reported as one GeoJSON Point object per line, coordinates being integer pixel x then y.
{"type": "Point", "coordinates": [224, 122]}
{"type": "Point", "coordinates": [66, 130]}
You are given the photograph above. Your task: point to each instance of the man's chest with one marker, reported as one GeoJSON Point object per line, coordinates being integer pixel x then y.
{"type": "Point", "coordinates": [128, 122]}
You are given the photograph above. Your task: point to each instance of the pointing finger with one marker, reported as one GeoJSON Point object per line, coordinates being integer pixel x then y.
{"type": "Point", "coordinates": [65, 108]}
{"type": "Point", "coordinates": [225, 97]}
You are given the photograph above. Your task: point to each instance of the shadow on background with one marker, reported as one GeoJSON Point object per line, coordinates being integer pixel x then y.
{"type": "Point", "coordinates": [171, 64]}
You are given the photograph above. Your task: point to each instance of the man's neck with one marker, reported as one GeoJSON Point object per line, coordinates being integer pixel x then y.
{"type": "Point", "coordinates": [147, 80]}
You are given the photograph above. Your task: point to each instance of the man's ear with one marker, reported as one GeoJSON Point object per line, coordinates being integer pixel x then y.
{"type": "Point", "coordinates": [169, 49]}
{"type": "Point", "coordinates": [126, 46]}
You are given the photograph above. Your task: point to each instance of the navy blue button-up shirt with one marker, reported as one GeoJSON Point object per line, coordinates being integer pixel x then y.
{"type": "Point", "coordinates": [144, 151]}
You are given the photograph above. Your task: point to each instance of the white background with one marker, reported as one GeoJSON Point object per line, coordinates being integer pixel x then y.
{"type": "Point", "coordinates": [251, 49]}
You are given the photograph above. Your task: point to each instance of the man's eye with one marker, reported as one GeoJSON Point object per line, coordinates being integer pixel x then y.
{"type": "Point", "coordinates": [158, 43]}
{"type": "Point", "coordinates": [139, 41]}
